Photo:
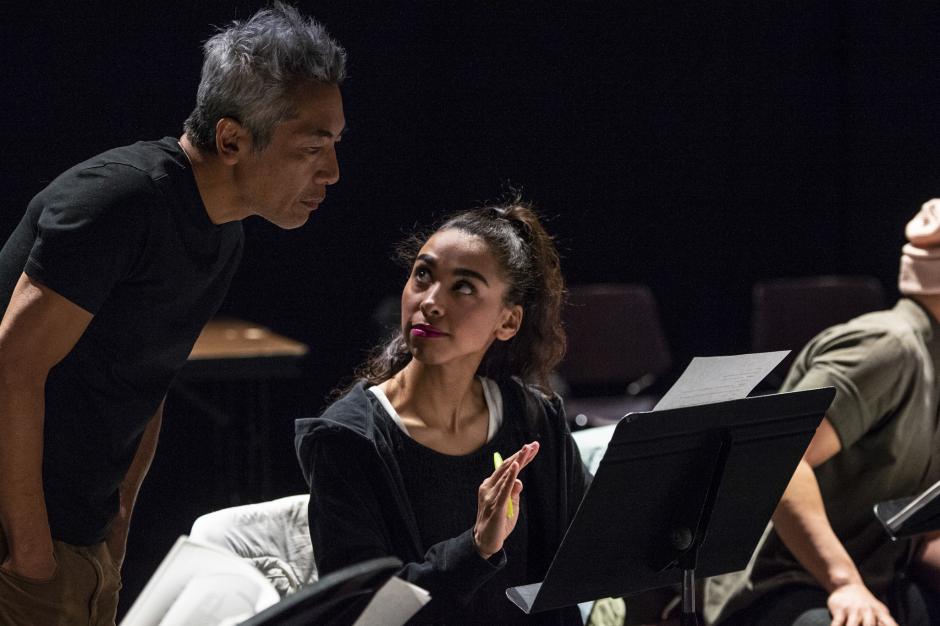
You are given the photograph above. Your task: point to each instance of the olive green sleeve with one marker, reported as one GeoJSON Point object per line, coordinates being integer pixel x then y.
{"type": "Point", "coordinates": [871, 372]}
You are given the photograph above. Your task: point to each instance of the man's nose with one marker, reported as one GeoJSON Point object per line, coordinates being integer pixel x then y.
{"type": "Point", "coordinates": [328, 173]}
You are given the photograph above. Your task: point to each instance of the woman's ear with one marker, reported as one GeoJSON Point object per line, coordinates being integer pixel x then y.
{"type": "Point", "coordinates": [511, 323]}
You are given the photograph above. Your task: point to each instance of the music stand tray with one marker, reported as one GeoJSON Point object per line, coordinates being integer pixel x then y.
{"type": "Point", "coordinates": [679, 493]}
{"type": "Point", "coordinates": [337, 599]}
{"type": "Point", "coordinates": [908, 517]}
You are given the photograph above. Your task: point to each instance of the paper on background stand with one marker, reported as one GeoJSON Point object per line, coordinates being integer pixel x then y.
{"type": "Point", "coordinates": [705, 380]}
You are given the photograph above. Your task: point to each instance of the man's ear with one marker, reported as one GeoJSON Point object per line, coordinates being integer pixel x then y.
{"type": "Point", "coordinates": [510, 324]}
{"type": "Point", "coordinates": [232, 140]}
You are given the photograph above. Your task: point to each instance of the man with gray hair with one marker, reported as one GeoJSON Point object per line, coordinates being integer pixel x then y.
{"type": "Point", "coordinates": [108, 280]}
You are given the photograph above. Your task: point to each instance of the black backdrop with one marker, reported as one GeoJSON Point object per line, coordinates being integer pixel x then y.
{"type": "Point", "coordinates": [696, 147]}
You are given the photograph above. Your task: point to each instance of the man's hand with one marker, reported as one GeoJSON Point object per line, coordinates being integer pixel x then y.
{"type": "Point", "coordinates": [34, 565]}
{"type": "Point", "coordinates": [854, 605]}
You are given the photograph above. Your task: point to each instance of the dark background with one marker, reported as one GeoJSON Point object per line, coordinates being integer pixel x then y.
{"type": "Point", "coordinates": [693, 147]}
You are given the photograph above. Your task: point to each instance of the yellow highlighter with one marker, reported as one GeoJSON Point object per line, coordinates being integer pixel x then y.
{"type": "Point", "coordinates": [497, 461]}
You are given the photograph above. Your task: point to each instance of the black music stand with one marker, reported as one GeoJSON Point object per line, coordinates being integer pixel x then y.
{"type": "Point", "coordinates": [679, 493]}
{"type": "Point", "coordinates": [909, 517]}
{"type": "Point", "coordinates": [337, 599]}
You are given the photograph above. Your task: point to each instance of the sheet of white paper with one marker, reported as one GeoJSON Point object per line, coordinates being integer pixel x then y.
{"type": "Point", "coordinates": [707, 379]}
{"type": "Point", "coordinates": [592, 444]}
{"type": "Point", "coordinates": [185, 561]}
{"type": "Point", "coordinates": [212, 598]}
{"type": "Point", "coordinates": [719, 378]}
{"type": "Point", "coordinates": [393, 604]}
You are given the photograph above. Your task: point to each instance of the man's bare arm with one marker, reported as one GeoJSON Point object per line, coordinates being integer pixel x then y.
{"type": "Point", "coordinates": [39, 329]}
{"type": "Point", "coordinates": [802, 523]}
{"type": "Point", "coordinates": [130, 486]}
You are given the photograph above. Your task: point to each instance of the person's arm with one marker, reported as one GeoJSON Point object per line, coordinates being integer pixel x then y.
{"type": "Point", "coordinates": [927, 562]}
{"type": "Point", "coordinates": [130, 486]}
{"type": "Point", "coordinates": [801, 522]}
{"type": "Point", "coordinates": [39, 329]}
{"type": "Point", "coordinates": [348, 525]}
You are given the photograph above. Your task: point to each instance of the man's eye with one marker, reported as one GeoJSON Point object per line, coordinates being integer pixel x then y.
{"type": "Point", "coordinates": [313, 150]}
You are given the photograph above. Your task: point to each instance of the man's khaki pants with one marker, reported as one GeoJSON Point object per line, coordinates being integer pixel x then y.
{"type": "Point", "coordinates": [84, 590]}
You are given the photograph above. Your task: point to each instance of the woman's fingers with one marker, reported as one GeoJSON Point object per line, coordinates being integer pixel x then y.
{"type": "Point", "coordinates": [524, 455]}
{"type": "Point", "coordinates": [501, 485]}
{"type": "Point", "coordinates": [498, 503]}
{"type": "Point", "coordinates": [505, 483]}
{"type": "Point", "coordinates": [503, 491]}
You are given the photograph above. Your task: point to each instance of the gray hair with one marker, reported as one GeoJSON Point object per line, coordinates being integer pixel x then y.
{"type": "Point", "coordinates": [250, 68]}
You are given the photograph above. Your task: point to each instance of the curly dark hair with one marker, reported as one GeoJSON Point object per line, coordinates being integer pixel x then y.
{"type": "Point", "coordinates": [527, 255]}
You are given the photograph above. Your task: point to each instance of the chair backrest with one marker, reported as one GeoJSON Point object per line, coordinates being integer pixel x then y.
{"type": "Point", "coordinates": [788, 312]}
{"type": "Point", "coordinates": [273, 535]}
{"type": "Point", "coordinates": [614, 335]}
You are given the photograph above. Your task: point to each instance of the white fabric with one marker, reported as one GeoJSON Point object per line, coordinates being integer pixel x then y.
{"type": "Point", "coordinates": [273, 535]}
{"type": "Point", "coordinates": [491, 393]}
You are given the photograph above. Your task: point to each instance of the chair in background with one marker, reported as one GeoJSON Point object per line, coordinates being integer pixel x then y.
{"type": "Point", "coordinates": [272, 535]}
{"type": "Point", "coordinates": [616, 351]}
{"type": "Point", "coordinates": [787, 312]}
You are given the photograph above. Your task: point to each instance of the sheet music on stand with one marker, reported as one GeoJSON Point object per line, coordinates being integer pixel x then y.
{"type": "Point", "coordinates": [706, 379]}
{"type": "Point", "coordinates": [710, 379]}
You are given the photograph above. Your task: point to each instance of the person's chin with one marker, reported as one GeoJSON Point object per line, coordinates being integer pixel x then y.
{"type": "Point", "coordinates": [292, 221]}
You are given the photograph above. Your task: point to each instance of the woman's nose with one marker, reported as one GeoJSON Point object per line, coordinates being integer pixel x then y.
{"type": "Point", "coordinates": [430, 305]}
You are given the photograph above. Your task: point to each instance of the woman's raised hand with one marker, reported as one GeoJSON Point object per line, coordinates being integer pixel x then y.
{"type": "Point", "coordinates": [494, 523]}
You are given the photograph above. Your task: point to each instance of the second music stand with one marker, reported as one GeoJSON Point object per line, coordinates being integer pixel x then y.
{"type": "Point", "coordinates": [679, 493]}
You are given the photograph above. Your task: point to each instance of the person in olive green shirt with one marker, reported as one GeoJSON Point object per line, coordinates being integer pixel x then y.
{"type": "Point", "coordinates": [826, 559]}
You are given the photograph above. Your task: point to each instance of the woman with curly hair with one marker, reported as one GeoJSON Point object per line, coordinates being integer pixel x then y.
{"type": "Point", "coordinates": [406, 463]}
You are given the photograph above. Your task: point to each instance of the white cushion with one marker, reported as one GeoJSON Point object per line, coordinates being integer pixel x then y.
{"type": "Point", "coordinates": [273, 535]}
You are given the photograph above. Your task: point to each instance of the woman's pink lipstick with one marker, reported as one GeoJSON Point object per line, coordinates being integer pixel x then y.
{"type": "Point", "coordinates": [423, 330]}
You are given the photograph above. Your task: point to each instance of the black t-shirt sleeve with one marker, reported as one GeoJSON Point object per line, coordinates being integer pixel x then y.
{"type": "Point", "coordinates": [91, 230]}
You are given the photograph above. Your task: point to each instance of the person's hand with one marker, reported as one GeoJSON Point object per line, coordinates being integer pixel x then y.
{"type": "Point", "coordinates": [32, 566]}
{"type": "Point", "coordinates": [493, 524]}
{"type": "Point", "coordinates": [854, 605]}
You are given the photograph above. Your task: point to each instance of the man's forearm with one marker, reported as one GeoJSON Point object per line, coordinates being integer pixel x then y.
{"type": "Point", "coordinates": [801, 522]}
{"type": "Point", "coordinates": [130, 486]}
{"type": "Point", "coordinates": [38, 329]}
{"type": "Point", "coordinates": [22, 505]}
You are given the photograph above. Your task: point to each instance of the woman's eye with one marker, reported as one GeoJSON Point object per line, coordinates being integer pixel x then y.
{"type": "Point", "coordinates": [421, 273]}
{"type": "Point", "coordinates": [464, 288]}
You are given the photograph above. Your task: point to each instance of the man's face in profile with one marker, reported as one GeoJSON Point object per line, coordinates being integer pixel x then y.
{"type": "Point", "coordinates": [287, 180]}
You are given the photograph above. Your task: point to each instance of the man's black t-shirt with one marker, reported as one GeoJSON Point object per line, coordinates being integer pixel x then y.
{"type": "Point", "coordinates": [125, 236]}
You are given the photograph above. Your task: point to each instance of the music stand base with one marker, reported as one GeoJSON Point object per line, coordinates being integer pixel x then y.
{"type": "Point", "coordinates": [689, 618]}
